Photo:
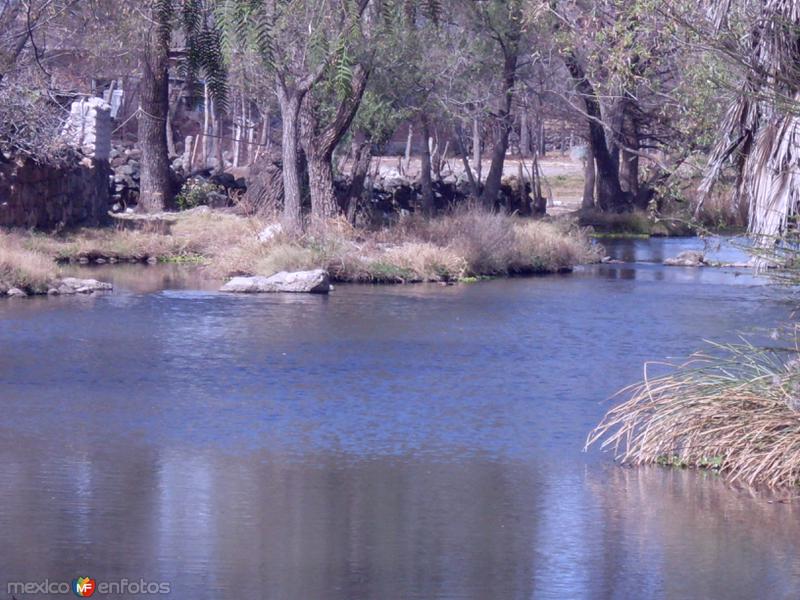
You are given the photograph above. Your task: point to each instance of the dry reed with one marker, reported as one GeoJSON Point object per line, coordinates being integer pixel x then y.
{"type": "Point", "coordinates": [734, 410]}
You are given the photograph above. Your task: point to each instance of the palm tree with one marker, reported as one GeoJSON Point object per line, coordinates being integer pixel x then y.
{"type": "Point", "coordinates": [760, 135]}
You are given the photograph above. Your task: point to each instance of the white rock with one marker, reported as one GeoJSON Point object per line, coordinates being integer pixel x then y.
{"type": "Point", "coordinates": [300, 282]}
{"type": "Point", "coordinates": [690, 258]}
{"type": "Point", "coordinates": [269, 232]}
{"type": "Point", "coordinates": [72, 285]}
{"type": "Point", "coordinates": [16, 293]}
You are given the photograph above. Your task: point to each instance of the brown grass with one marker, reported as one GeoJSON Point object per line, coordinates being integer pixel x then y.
{"type": "Point", "coordinates": [24, 269]}
{"type": "Point", "coordinates": [194, 234]}
{"type": "Point", "coordinates": [735, 411]}
{"type": "Point", "coordinates": [467, 243]}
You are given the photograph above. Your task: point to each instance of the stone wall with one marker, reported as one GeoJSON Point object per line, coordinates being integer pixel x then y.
{"type": "Point", "coordinates": [52, 197]}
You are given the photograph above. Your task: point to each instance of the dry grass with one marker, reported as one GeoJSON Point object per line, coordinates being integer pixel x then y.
{"type": "Point", "coordinates": [735, 411]}
{"type": "Point", "coordinates": [467, 243]}
{"type": "Point", "coordinates": [24, 269]}
{"type": "Point", "coordinates": [719, 211]}
{"type": "Point", "coordinates": [194, 234]}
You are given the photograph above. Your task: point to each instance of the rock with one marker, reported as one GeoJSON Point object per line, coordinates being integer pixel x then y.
{"type": "Point", "coordinates": [16, 293]}
{"type": "Point", "coordinates": [690, 258]}
{"type": "Point", "coordinates": [72, 285]}
{"type": "Point", "coordinates": [308, 282]}
{"type": "Point", "coordinates": [269, 232]}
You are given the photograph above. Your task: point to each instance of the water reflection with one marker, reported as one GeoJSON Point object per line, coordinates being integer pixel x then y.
{"type": "Point", "coordinates": [655, 250]}
{"type": "Point", "coordinates": [257, 525]}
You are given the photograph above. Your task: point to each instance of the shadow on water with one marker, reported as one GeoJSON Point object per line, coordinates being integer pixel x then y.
{"type": "Point", "coordinates": [383, 442]}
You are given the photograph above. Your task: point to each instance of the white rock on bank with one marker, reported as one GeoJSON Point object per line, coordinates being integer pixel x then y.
{"type": "Point", "coordinates": [72, 285]}
{"type": "Point", "coordinates": [16, 293]}
{"type": "Point", "coordinates": [300, 282]}
{"type": "Point", "coordinates": [690, 258]}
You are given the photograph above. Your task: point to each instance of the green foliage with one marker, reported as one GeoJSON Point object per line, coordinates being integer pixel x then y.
{"type": "Point", "coordinates": [197, 192]}
{"type": "Point", "coordinates": [205, 49]}
{"type": "Point", "coordinates": [379, 117]}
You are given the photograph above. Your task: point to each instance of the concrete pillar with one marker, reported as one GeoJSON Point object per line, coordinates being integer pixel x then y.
{"type": "Point", "coordinates": [89, 128]}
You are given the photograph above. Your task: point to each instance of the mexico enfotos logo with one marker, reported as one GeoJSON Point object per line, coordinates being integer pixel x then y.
{"type": "Point", "coordinates": [86, 587]}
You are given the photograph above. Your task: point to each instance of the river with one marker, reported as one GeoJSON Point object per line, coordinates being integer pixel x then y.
{"type": "Point", "coordinates": [381, 443]}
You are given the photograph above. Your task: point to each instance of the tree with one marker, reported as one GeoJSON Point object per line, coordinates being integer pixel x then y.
{"type": "Point", "coordinates": [204, 54]}
{"type": "Point", "coordinates": [760, 134]}
{"type": "Point", "coordinates": [156, 181]}
{"type": "Point", "coordinates": [503, 23]}
{"type": "Point", "coordinates": [298, 41]}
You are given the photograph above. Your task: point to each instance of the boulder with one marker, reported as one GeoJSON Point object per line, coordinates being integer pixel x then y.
{"type": "Point", "coordinates": [16, 293]}
{"type": "Point", "coordinates": [690, 258]}
{"type": "Point", "coordinates": [308, 282]}
{"type": "Point", "coordinates": [72, 285]}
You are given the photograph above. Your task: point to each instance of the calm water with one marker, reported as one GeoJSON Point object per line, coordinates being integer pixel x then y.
{"type": "Point", "coordinates": [381, 443]}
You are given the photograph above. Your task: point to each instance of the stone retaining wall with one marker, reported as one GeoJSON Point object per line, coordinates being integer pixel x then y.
{"type": "Point", "coordinates": [35, 196]}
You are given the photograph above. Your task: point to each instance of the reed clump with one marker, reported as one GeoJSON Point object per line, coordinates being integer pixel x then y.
{"type": "Point", "coordinates": [735, 410]}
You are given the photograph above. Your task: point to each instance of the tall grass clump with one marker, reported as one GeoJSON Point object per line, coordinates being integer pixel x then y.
{"type": "Point", "coordinates": [735, 410]}
{"type": "Point", "coordinates": [495, 243]}
{"type": "Point", "coordinates": [24, 269]}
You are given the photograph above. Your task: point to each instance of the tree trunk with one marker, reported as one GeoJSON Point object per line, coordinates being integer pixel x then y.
{"type": "Point", "coordinates": [542, 138]}
{"type": "Point", "coordinates": [588, 179]}
{"type": "Point", "coordinates": [610, 196]}
{"type": "Point", "coordinates": [237, 127]}
{"type": "Point", "coordinates": [462, 150]}
{"type": "Point", "coordinates": [263, 140]}
{"type": "Point", "coordinates": [320, 183]}
{"type": "Point", "coordinates": [170, 137]}
{"type": "Point", "coordinates": [524, 134]}
{"type": "Point", "coordinates": [155, 184]}
{"type": "Point", "coordinates": [292, 200]}
{"type": "Point", "coordinates": [477, 155]}
{"type": "Point", "coordinates": [409, 141]}
{"type": "Point", "coordinates": [206, 125]}
{"type": "Point", "coordinates": [502, 129]}
{"type": "Point", "coordinates": [319, 143]}
{"type": "Point", "coordinates": [629, 152]}
{"type": "Point", "coordinates": [362, 156]}
{"type": "Point", "coordinates": [219, 133]}
{"type": "Point", "coordinates": [425, 169]}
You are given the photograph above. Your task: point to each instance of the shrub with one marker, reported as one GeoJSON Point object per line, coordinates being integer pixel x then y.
{"type": "Point", "coordinates": [198, 192]}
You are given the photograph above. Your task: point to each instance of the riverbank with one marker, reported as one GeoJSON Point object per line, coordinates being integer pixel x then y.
{"type": "Point", "coordinates": [454, 247]}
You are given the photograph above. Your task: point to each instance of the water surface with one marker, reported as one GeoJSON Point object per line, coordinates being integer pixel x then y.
{"type": "Point", "coordinates": [383, 442]}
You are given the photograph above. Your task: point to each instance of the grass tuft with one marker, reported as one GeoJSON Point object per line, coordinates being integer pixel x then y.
{"type": "Point", "coordinates": [25, 269]}
{"type": "Point", "coordinates": [734, 411]}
